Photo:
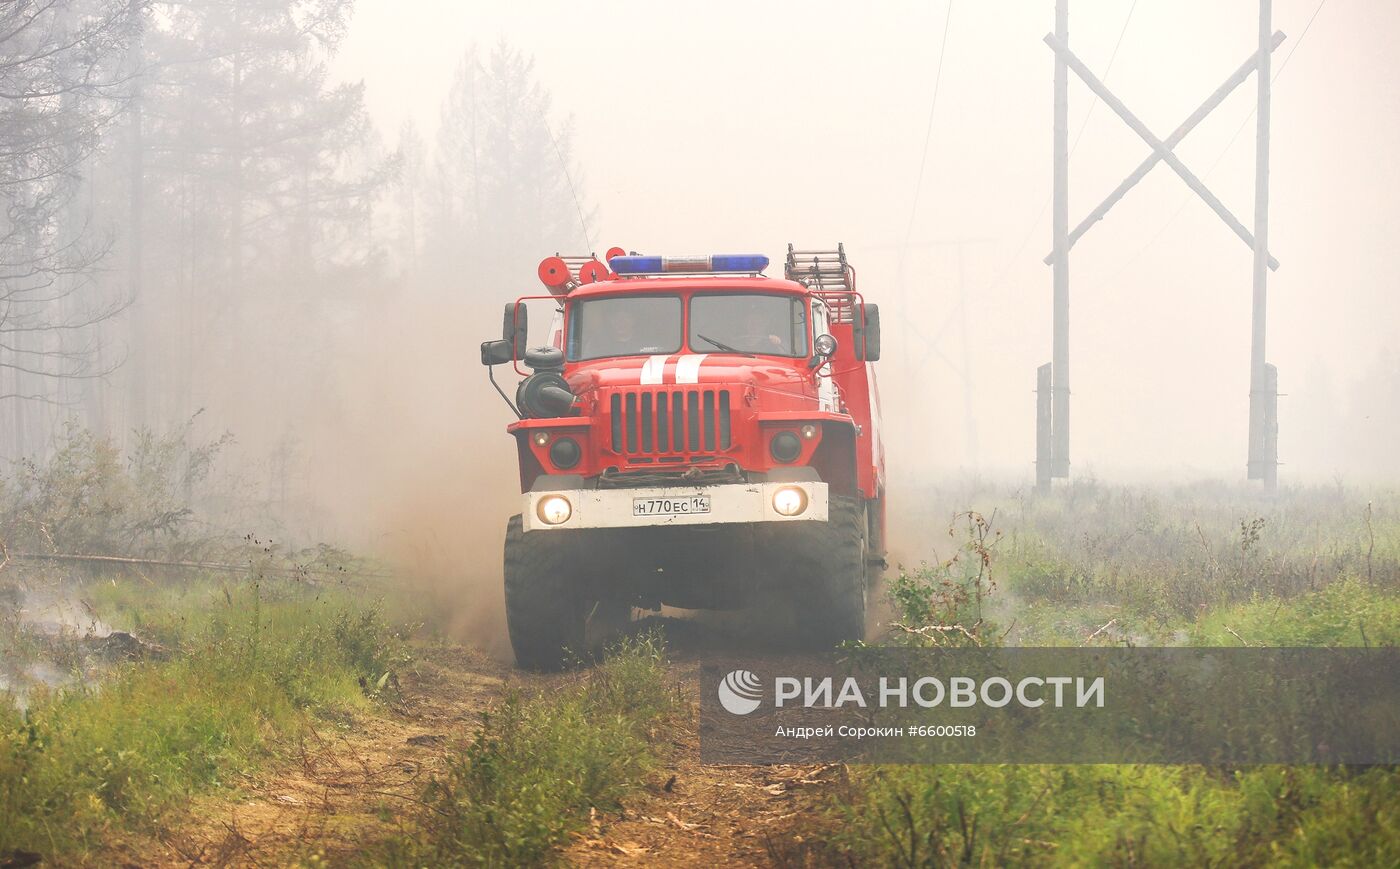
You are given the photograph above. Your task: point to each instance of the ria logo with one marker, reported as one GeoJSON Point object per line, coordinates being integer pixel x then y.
{"type": "Point", "coordinates": [740, 692]}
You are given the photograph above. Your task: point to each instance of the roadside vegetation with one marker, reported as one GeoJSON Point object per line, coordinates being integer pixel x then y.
{"type": "Point", "coordinates": [1113, 566]}
{"type": "Point", "coordinates": [541, 763]}
{"type": "Point", "coordinates": [129, 689]}
{"type": "Point", "coordinates": [142, 689]}
{"type": "Point", "coordinates": [133, 687]}
{"type": "Point", "coordinates": [242, 670]}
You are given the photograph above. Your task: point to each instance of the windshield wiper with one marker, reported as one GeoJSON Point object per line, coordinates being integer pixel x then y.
{"type": "Point", "coordinates": [725, 347]}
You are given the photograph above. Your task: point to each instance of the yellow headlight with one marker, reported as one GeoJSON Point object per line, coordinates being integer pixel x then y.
{"type": "Point", "coordinates": [790, 501]}
{"type": "Point", "coordinates": [554, 510]}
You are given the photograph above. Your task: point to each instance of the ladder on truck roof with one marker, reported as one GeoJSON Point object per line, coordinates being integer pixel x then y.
{"type": "Point", "coordinates": [828, 274]}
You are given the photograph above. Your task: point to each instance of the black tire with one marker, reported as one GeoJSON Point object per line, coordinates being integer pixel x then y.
{"type": "Point", "coordinates": [875, 563]}
{"type": "Point", "coordinates": [829, 573]}
{"type": "Point", "coordinates": [545, 609]}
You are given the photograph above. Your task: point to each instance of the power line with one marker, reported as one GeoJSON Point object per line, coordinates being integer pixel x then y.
{"type": "Point", "coordinates": [1108, 69]}
{"type": "Point", "coordinates": [1223, 151]}
{"type": "Point", "coordinates": [1040, 215]}
{"type": "Point", "coordinates": [583, 224]}
{"type": "Point", "coordinates": [1278, 72]}
{"type": "Point", "coordinates": [928, 136]}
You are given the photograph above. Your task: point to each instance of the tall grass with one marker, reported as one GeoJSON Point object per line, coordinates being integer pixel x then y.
{"type": "Point", "coordinates": [248, 669]}
{"type": "Point", "coordinates": [1170, 552]}
{"type": "Point", "coordinates": [1120, 816]}
{"type": "Point", "coordinates": [1201, 565]}
{"type": "Point", "coordinates": [538, 764]}
{"type": "Point", "coordinates": [1156, 560]}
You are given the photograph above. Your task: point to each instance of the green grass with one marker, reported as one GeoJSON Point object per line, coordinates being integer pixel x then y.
{"type": "Point", "coordinates": [528, 778]}
{"type": "Point", "coordinates": [252, 664]}
{"type": "Point", "coordinates": [1345, 613]}
{"type": "Point", "coordinates": [249, 664]}
{"type": "Point", "coordinates": [1203, 565]}
{"type": "Point", "coordinates": [1120, 816]}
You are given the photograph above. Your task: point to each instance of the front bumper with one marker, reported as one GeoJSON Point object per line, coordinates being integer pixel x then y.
{"type": "Point", "coordinates": [730, 503]}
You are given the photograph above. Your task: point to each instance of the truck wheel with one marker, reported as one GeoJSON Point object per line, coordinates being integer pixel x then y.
{"type": "Point", "coordinates": [545, 612]}
{"type": "Point", "coordinates": [830, 574]}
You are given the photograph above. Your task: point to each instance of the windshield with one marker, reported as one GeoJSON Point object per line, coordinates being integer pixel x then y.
{"type": "Point", "coordinates": [749, 323]}
{"type": "Point", "coordinates": [625, 326]}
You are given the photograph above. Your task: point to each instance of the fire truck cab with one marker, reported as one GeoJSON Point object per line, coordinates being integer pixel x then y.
{"type": "Point", "coordinates": [692, 434]}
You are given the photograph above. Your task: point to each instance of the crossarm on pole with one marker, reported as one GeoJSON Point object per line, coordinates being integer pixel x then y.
{"type": "Point", "coordinates": [1215, 99]}
{"type": "Point", "coordinates": [1163, 152]}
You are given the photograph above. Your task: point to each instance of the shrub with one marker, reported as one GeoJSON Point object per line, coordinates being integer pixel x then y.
{"type": "Point", "coordinates": [80, 761]}
{"type": "Point", "coordinates": [538, 764]}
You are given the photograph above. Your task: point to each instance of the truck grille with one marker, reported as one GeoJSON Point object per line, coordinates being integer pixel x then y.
{"type": "Point", "coordinates": [670, 421]}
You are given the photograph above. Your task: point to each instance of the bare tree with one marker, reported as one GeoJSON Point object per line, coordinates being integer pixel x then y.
{"type": "Point", "coordinates": [61, 84]}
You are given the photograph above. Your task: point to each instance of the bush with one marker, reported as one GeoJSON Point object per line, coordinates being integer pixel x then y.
{"type": "Point", "coordinates": [1203, 565]}
{"type": "Point", "coordinates": [943, 604]}
{"type": "Point", "coordinates": [1121, 816]}
{"type": "Point", "coordinates": [78, 762]}
{"type": "Point", "coordinates": [530, 775]}
{"type": "Point", "coordinates": [87, 498]}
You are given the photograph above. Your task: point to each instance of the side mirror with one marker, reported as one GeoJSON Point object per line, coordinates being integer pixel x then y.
{"type": "Point", "coordinates": [867, 335]}
{"type": "Point", "coordinates": [496, 352]}
{"type": "Point", "coordinates": [515, 329]}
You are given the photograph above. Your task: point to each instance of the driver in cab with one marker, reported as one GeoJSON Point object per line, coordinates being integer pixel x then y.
{"type": "Point", "coordinates": [625, 335]}
{"type": "Point", "coordinates": [759, 334]}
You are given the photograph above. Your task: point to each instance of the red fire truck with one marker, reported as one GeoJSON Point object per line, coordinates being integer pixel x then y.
{"type": "Point", "coordinates": [692, 434]}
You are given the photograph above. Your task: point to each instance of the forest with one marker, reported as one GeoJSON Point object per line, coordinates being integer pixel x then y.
{"type": "Point", "coordinates": [198, 220]}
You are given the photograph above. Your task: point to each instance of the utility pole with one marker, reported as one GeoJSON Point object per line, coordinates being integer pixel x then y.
{"type": "Point", "coordinates": [1052, 410]}
{"type": "Point", "coordinates": [1059, 358]}
{"type": "Point", "coordinates": [969, 418]}
{"type": "Point", "coordinates": [1263, 384]}
{"type": "Point", "coordinates": [932, 344]}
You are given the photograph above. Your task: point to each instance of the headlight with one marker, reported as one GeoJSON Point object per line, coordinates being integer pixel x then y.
{"type": "Point", "coordinates": [541, 438]}
{"type": "Point", "coordinates": [790, 501]}
{"type": "Point", "coordinates": [825, 345]}
{"type": "Point", "coordinates": [785, 447]}
{"type": "Point", "coordinates": [554, 510]}
{"type": "Point", "coordinates": [565, 453]}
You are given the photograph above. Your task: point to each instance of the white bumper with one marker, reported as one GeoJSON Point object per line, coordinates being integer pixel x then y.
{"type": "Point", "coordinates": [616, 508]}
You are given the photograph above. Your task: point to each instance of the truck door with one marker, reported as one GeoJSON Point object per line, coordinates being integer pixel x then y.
{"type": "Point", "coordinates": [827, 397]}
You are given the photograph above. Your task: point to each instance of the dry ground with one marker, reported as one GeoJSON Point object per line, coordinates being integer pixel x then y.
{"type": "Point", "coordinates": [695, 814]}
{"type": "Point", "coordinates": [350, 782]}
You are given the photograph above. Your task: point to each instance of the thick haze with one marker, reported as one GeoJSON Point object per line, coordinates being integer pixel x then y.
{"type": "Point", "coordinates": [752, 125]}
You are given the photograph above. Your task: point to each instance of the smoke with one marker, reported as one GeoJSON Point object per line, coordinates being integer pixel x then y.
{"type": "Point", "coordinates": [713, 157]}
{"type": "Point", "coordinates": [413, 462]}
{"type": "Point", "coordinates": [338, 343]}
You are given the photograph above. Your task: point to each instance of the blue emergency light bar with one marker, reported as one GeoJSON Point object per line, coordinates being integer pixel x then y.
{"type": "Point", "coordinates": [721, 262]}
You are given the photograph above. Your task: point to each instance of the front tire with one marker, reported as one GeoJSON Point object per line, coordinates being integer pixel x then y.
{"type": "Point", "coordinates": [828, 579]}
{"type": "Point", "coordinates": [545, 611]}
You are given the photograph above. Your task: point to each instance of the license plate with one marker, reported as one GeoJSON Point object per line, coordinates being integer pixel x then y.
{"type": "Point", "coordinates": [671, 506]}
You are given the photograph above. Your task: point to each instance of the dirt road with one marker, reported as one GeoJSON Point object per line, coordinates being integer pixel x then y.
{"type": "Point", "coordinates": [349, 782]}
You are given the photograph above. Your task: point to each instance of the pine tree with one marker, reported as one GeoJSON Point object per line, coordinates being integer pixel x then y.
{"type": "Point", "coordinates": [507, 190]}
{"type": "Point", "coordinates": [61, 85]}
{"type": "Point", "coordinates": [256, 169]}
